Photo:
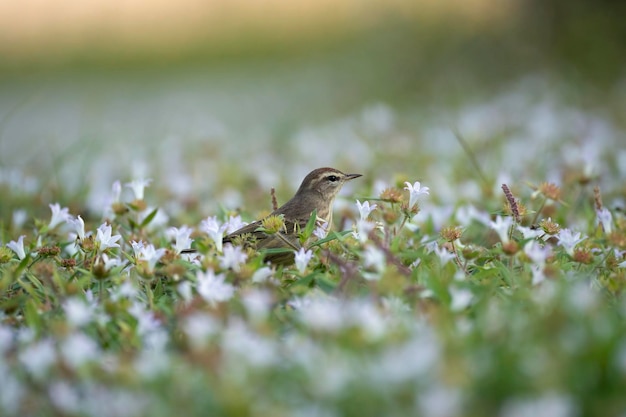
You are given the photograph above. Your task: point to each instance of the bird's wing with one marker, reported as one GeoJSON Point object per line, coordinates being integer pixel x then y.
{"type": "Point", "coordinates": [247, 229]}
{"type": "Point", "coordinates": [251, 233]}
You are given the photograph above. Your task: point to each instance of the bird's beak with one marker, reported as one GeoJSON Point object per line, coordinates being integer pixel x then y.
{"type": "Point", "coordinates": [352, 176]}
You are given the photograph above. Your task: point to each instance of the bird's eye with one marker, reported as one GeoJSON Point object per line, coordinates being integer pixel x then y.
{"type": "Point", "coordinates": [333, 178]}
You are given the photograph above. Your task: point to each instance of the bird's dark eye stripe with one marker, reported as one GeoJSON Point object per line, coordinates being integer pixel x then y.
{"type": "Point", "coordinates": [333, 178]}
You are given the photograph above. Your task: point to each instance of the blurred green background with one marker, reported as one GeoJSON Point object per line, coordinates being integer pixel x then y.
{"type": "Point", "coordinates": [91, 93]}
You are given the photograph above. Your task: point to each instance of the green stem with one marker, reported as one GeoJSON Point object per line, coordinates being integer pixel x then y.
{"type": "Point", "coordinates": [458, 259]}
{"type": "Point", "coordinates": [539, 211]}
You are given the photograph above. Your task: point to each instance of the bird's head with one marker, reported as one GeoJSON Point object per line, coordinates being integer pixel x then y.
{"type": "Point", "coordinates": [325, 181]}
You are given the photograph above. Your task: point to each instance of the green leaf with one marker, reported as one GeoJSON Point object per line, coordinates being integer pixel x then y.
{"type": "Point", "coordinates": [304, 281]}
{"type": "Point", "coordinates": [31, 314]}
{"type": "Point", "coordinates": [276, 250]}
{"type": "Point", "coordinates": [326, 285]}
{"type": "Point", "coordinates": [310, 226]}
{"type": "Point", "coordinates": [133, 224]}
{"type": "Point", "coordinates": [22, 265]}
{"type": "Point", "coordinates": [148, 218]}
{"type": "Point", "coordinates": [329, 237]}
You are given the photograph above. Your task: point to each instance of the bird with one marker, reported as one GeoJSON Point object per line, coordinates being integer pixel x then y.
{"type": "Point", "coordinates": [316, 193]}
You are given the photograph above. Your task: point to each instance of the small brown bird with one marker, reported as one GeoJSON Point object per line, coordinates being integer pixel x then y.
{"type": "Point", "coordinates": [317, 192]}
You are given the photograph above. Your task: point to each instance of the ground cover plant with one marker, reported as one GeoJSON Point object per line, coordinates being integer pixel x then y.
{"type": "Point", "coordinates": [477, 268]}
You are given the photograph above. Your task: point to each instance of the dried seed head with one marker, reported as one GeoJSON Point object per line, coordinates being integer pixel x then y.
{"type": "Point", "coordinates": [68, 263]}
{"type": "Point", "coordinates": [392, 195]}
{"type": "Point", "coordinates": [510, 248]}
{"type": "Point", "coordinates": [169, 256]}
{"type": "Point", "coordinates": [451, 233]}
{"type": "Point", "coordinates": [138, 205]}
{"type": "Point", "coordinates": [521, 210]}
{"type": "Point", "coordinates": [274, 201]}
{"type": "Point", "coordinates": [597, 198]}
{"type": "Point", "coordinates": [512, 203]}
{"type": "Point", "coordinates": [549, 226]}
{"type": "Point", "coordinates": [583, 256]}
{"type": "Point", "coordinates": [49, 251]}
{"type": "Point", "coordinates": [44, 269]}
{"type": "Point", "coordinates": [87, 244]}
{"type": "Point", "coordinates": [617, 239]}
{"type": "Point", "coordinates": [98, 269]}
{"type": "Point", "coordinates": [390, 216]}
{"type": "Point", "coordinates": [550, 191]}
{"type": "Point", "coordinates": [175, 271]}
{"type": "Point", "coordinates": [119, 208]}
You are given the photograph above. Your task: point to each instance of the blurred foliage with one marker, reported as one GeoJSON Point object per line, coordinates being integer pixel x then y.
{"type": "Point", "coordinates": [583, 38]}
{"type": "Point", "coordinates": [579, 40]}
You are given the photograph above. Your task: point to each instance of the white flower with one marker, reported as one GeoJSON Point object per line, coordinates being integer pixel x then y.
{"type": "Point", "coordinates": [38, 357]}
{"type": "Point", "coordinates": [64, 397]}
{"type": "Point", "coordinates": [365, 209]}
{"type": "Point", "coordinates": [109, 262]}
{"type": "Point", "coordinates": [18, 247]}
{"type": "Point", "coordinates": [439, 216]}
{"type": "Point", "coordinates": [184, 289]}
{"type": "Point", "coordinates": [104, 240]}
{"type": "Point", "coordinates": [117, 192]}
{"type": "Point", "coordinates": [137, 248]}
{"type": "Point", "coordinates": [234, 223]}
{"type": "Point", "coordinates": [415, 263]}
{"type": "Point", "coordinates": [125, 290]}
{"type": "Point", "coordinates": [415, 191]}
{"type": "Point", "coordinates": [468, 213]}
{"type": "Point", "coordinates": [59, 215]}
{"type": "Point", "coordinates": [320, 312]}
{"type": "Point", "coordinates": [502, 226]}
{"type": "Point", "coordinates": [529, 233]}
{"type": "Point", "coordinates": [149, 364]}
{"type": "Point", "coordinates": [215, 231]}
{"type": "Point", "coordinates": [262, 274]}
{"type": "Point", "coordinates": [147, 323]}
{"type": "Point", "coordinates": [538, 256]}
{"type": "Point", "coordinates": [78, 224]}
{"type": "Point", "coordinates": [429, 246]}
{"type": "Point", "coordinates": [199, 327]}
{"type": "Point", "coordinates": [395, 306]}
{"type": "Point", "coordinates": [12, 394]}
{"type": "Point", "coordinates": [444, 254]}
{"type": "Point", "coordinates": [147, 253]}
{"type": "Point", "coordinates": [243, 346]}
{"type": "Point", "coordinates": [460, 298]}
{"type": "Point", "coordinates": [605, 218]}
{"type": "Point", "coordinates": [19, 217]}
{"type": "Point", "coordinates": [79, 349]}
{"type": "Point", "coordinates": [233, 257]}
{"type": "Point", "coordinates": [77, 312]}
{"type": "Point", "coordinates": [537, 253]}
{"type": "Point", "coordinates": [182, 236]}
{"type": "Point", "coordinates": [373, 258]}
{"type": "Point", "coordinates": [6, 339]}
{"type": "Point", "coordinates": [258, 304]}
{"type": "Point", "coordinates": [569, 240]}
{"type": "Point", "coordinates": [363, 229]}
{"type": "Point", "coordinates": [551, 404]}
{"type": "Point", "coordinates": [321, 230]}
{"type": "Point", "coordinates": [302, 259]}
{"type": "Point", "coordinates": [138, 186]}
{"type": "Point", "coordinates": [212, 287]}
{"type": "Point", "coordinates": [440, 401]}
